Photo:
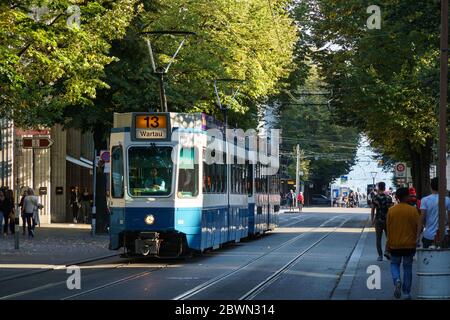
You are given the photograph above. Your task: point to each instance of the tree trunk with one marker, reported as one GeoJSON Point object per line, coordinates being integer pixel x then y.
{"type": "Point", "coordinates": [420, 168]}
{"type": "Point", "coordinates": [102, 217]}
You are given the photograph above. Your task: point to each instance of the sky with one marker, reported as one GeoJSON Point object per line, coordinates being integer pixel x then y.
{"type": "Point", "coordinates": [360, 175]}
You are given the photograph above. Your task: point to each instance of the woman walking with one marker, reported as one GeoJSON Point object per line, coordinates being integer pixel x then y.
{"type": "Point", "coordinates": [300, 201]}
{"type": "Point", "coordinates": [31, 206]}
{"type": "Point", "coordinates": [9, 220]}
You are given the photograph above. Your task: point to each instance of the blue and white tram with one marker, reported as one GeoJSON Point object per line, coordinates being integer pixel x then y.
{"type": "Point", "coordinates": [165, 199]}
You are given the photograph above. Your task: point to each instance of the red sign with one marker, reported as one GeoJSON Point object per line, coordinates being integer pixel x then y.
{"type": "Point", "coordinates": [104, 155]}
{"type": "Point", "coordinates": [400, 167]}
{"type": "Point", "coordinates": [36, 143]}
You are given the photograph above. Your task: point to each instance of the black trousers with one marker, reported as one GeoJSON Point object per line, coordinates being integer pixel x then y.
{"type": "Point", "coordinates": [8, 222]}
{"type": "Point", "coordinates": [29, 221]}
{"type": "Point", "coordinates": [75, 211]}
{"type": "Point", "coordinates": [380, 226]}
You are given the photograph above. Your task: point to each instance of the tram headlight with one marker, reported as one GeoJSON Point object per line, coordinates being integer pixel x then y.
{"type": "Point", "coordinates": [150, 219]}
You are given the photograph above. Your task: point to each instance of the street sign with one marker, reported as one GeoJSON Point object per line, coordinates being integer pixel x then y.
{"type": "Point", "coordinates": [400, 170]}
{"type": "Point", "coordinates": [36, 142]}
{"type": "Point", "coordinates": [105, 156]}
{"type": "Point", "coordinates": [344, 179]}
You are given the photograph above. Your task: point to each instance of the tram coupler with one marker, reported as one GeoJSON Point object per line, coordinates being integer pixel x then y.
{"type": "Point", "coordinates": [148, 243]}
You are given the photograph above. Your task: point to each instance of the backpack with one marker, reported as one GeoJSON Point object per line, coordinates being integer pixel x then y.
{"type": "Point", "coordinates": [383, 203]}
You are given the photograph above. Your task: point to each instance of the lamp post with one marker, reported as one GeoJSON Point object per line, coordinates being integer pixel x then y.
{"type": "Point", "coordinates": [374, 175]}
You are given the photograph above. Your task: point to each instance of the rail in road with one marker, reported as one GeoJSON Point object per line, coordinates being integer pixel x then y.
{"type": "Point", "coordinates": [191, 293]}
{"type": "Point", "coordinates": [202, 287]}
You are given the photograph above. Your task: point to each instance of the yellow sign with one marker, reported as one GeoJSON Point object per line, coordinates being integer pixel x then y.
{"type": "Point", "coordinates": [151, 126]}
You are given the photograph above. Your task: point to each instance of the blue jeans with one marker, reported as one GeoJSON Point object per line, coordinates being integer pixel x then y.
{"type": "Point", "coordinates": [407, 271]}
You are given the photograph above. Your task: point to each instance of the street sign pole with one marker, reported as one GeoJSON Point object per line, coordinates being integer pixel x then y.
{"type": "Point", "coordinates": [94, 206]}
{"type": "Point", "coordinates": [16, 147]}
{"type": "Point", "coordinates": [297, 172]}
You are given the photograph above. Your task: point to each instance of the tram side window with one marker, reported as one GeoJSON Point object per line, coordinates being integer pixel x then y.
{"type": "Point", "coordinates": [214, 178]}
{"type": "Point", "coordinates": [187, 174]}
{"type": "Point", "coordinates": [117, 185]}
{"type": "Point", "coordinates": [249, 179]}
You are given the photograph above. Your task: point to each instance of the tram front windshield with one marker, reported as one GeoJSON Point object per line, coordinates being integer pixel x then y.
{"type": "Point", "coordinates": [150, 171]}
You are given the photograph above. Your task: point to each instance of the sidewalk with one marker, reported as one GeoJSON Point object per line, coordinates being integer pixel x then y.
{"type": "Point", "coordinates": [53, 244]}
{"type": "Point", "coordinates": [354, 281]}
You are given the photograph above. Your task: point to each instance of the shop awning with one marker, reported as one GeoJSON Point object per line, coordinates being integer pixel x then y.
{"type": "Point", "coordinates": [81, 163]}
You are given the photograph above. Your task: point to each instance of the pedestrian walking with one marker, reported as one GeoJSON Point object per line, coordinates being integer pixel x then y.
{"type": "Point", "coordinates": [4, 211]}
{"type": "Point", "coordinates": [429, 221]}
{"type": "Point", "coordinates": [300, 201]}
{"type": "Point", "coordinates": [85, 205]}
{"type": "Point", "coordinates": [381, 203]}
{"type": "Point", "coordinates": [75, 203]}
{"type": "Point", "coordinates": [402, 226]}
{"type": "Point", "coordinates": [291, 199]}
{"type": "Point", "coordinates": [10, 216]}
{"type": "Point", "coordinates": [31, 207]}
{"type": "Point", "coordinates": [22, 211]}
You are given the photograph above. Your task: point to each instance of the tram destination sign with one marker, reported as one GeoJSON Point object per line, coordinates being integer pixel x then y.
{"type": "Point", "coordinates": [151, 126]}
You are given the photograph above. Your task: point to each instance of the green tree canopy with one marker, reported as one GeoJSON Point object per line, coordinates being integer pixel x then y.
{"type": "Point", "coordinates": [48, 63]}
{"type": "Point", "coordinates": [385, 81]}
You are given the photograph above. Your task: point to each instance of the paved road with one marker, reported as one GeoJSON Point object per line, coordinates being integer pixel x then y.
{"type": "Point", "coordinates": [321, 253]}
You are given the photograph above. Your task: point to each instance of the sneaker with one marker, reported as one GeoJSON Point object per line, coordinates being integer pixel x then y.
{"type": "Point", "coordinates": [398, 289]}
{"type": "Point", "coordinates": [74, 220]}
{"type": "Point", "coordinates": [380, 258]}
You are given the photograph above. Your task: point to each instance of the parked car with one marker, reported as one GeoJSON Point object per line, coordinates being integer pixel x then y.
{"type": "Point", "coordinates": [320, 199]}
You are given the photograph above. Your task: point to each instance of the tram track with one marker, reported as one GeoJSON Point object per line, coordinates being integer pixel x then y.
{"type": "Point", "coordinates": [251, 294]}
{"type": "Point", "coordinates": [145, 273]}
{"type": "Point", "coordinates": [202, 287]}
{"type": "Point", "coordinates": [108, 284]}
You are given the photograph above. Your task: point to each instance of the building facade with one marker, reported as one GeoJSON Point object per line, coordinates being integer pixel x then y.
{"type": "Point", "coordinates": [49, 172]}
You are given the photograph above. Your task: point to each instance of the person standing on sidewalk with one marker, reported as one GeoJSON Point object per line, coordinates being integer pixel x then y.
{"type": "Point", "coordinates": [290, 199]}
{"type": "Point", "coordinates": [381, 203]}
{"type": "Point", "coordinates": [85, 205]}
{"type": "Point", "coordinates": [300, 201]}
{"type": "Point", "coordinates": [10, 219]}
{"type": "Point", "coordinates": [22, 211]}
{"type": "Point", "coordinates": [31, 205]}
{"type": "Point", "coordinates": [3, 211]}
{"type": "Point", "coordinates": [402, 225]}
{"type": "Point", "coordinates": [429, 208]}
{"type": "Point", "coordinates": [75, 203]}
